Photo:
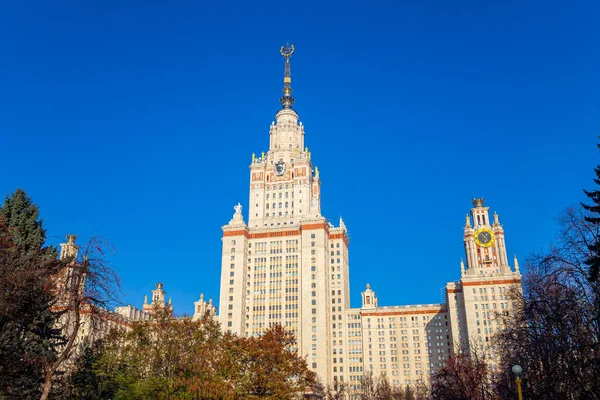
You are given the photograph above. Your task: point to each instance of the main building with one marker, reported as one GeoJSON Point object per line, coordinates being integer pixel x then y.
{"type": "Point", "coordinates": [288, 265]}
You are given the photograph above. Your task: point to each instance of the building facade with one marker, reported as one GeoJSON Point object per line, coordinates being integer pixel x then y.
{"type": "Point", "coordinates": [288, 265]}
{"type": "Point", "coordinates": [95, 322]}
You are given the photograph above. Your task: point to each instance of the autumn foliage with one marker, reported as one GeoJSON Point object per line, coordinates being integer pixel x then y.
{"type": "Point", "coordinates": [181, 358]}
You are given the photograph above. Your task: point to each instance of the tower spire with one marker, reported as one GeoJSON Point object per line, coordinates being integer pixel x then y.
{"type": "Point", "coordinates": [287, 100]}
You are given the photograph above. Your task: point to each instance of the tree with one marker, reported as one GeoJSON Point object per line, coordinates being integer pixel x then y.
{"type": "Point", "coordinates": [28, 334]}
{"type": "Point", "coordinates": [335, 392]}
{"type": "Point", "coordinates": [167, 358]}
{"type": "Point", "coordinates": [464, 376]}
{"type": "Point", "coordinates": [144, 362]}
{"type": "Point", "coordinates": [84, 289]}
{"type": "Point", "coordinates": [83, 382]}
{"type": "Point", "coordinates": [164, 358]}
{"type": "Point", "coordinates": [20, 216]}
{"type": "Point", "coordinates": [593, 218]}
{"type": "Point", "coordinates": [380, 389]}
{"type": "Point", "coordinates": [554, 333]}
{"type": "Point", "coordinates": [367, 388]}
{"type": "Point", "coordinates": [383, 390]}
{"type": "Point", "coordinates": [269, 366]}
{"type": "Point", "coordinates": [409, 394]}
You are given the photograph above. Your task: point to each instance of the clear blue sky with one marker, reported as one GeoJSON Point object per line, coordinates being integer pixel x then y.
{"type": "Point", "coordinates": [137, 122]}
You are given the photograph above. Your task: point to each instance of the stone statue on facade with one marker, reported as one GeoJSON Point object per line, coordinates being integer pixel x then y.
{"type": "Point", "coordinates": [237, 215]}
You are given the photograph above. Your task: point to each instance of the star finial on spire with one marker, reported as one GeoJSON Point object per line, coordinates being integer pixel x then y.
{"type": "Point", "coordinates": [287, 100]}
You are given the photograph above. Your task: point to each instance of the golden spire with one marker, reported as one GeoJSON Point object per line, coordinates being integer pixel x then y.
{"type": "Point", "coordinates": [287, 100]}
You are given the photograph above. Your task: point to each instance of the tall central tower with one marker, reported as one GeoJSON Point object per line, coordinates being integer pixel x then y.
{"type": "Point", "coordinates": [287, 265]}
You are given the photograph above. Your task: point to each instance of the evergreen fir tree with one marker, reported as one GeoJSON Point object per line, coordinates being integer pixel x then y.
{"type": "Point", "coordinates": [21, 217]}
{"type": "Point", "coordinates": [28, 338]}
{"type": "Point", "coordinates": [594, 260]}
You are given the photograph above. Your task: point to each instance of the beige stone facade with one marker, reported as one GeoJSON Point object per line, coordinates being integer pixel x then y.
{"type": "Point", "coordinates": [287, 265]}
{"type": "Point", "coordinates": [402, 343]}
{"type": "Point", "coordinates": [96, 323]}
{"type": "Point", "coordinates": [480, 296]}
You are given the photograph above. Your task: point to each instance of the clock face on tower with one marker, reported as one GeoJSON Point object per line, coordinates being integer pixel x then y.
{"type": "Point", "coordinates": [484, 237]}
{"type": "Point", "coordinates": [279, 167]}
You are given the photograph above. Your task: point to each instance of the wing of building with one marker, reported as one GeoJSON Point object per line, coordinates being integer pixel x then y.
{"type": "Point", "coordinates": [96, 322]}
{"type": "Point", "coordinates": [288, 265]}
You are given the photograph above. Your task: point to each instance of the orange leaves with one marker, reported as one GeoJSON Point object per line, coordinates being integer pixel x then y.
{"type": "Point", "coordinates": [193, 359]}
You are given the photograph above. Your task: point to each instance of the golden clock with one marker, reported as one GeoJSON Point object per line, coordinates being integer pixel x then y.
{"type": "Point", "coordinates": [484, 237]}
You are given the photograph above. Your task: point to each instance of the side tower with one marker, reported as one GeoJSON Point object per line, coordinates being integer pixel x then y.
{"type": "Point", "coordinates": [158, 301]}
{"type": "Point", "coordinates": [287, 265]}
{"type": "Point", "coordinates": [202, 308]}
{"type": "Point", "coordinates": [480, 297]}
{"type": "Point", "coordinates": [485, 248]}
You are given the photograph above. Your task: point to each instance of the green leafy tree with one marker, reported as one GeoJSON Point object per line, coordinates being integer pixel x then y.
{"type": "Point", "coordinates": [84, 383]}
{"type": "Point", "coordinates": [28, 336]}
{"type": "Point", "coordinates": [166, 358]}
